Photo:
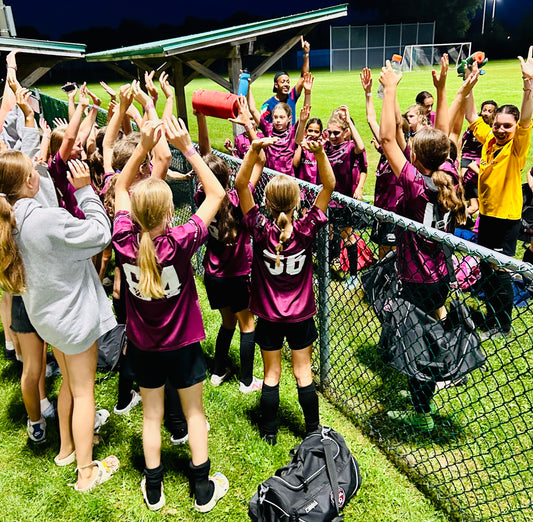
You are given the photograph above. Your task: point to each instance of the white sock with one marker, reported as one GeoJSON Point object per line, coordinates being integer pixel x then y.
{"type": "Point", "coordinates": [19, 357]}
{"type": "Point", "coordinates": [39, 421]}
{"type": "Point", "coordinates": [45, 403]}
{"type": "Point", "coordinates": [9, 346]}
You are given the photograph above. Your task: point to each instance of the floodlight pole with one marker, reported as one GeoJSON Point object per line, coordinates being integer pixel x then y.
{"type": "Point", "coordinates": [483, 19]}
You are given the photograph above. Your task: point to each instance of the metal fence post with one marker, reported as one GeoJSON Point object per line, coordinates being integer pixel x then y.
{"type": "Point", "coordinates": [323, 303]}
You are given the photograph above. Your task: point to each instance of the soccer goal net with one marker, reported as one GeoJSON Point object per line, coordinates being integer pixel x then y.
{"type": "Point", "coordinates": [416, 56]}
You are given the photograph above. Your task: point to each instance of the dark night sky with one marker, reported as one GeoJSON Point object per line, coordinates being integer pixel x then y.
{"type": "Point", "coordinates": [58, 17]}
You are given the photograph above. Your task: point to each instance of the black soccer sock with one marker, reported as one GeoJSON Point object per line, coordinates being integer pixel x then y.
{"type": "Point", "coordinates": [222, 346]}
{"type": "Point", "coordinates": [247, 357]}
{"type": "Point", "coordinates": [489, 285]}
{"type": "Point", "coordinates": [119, 305]}
{"type": "Point", "coordinates": [504, 301]}
{"type": "Point", "coordinates": [351, 250]}
{"type": "Point", "coordinates": [308, 399]}
{"type": "Point", "coordinates": [334, 247]}
{"type": "Point", "coordinates": [154, 477]}
{"type": "Point", "coordinates": [421, 394]}
{"type": "Point", "coordinates": [202, 487]}
{"type": "Point", "coordinates": [269, 409]}
{"type": "Point", "coordinates": [126, 377]}
{"type": "Point", "coordinates": [174, 416]}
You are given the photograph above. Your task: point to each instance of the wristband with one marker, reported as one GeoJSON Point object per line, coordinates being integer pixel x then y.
{"type": "Point", "coordinates": [190, 152]}
{"type": "Point", "coordinates": [248, 126]}
{"type": "Point", "coordinates": [369, 94]}
{"type": "Point", "coordinates": [306, 54]}
{"type": "Point", "coordinates": [148, 107]}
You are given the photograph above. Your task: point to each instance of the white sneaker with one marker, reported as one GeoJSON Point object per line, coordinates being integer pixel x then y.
{"type": "Point", "coordinates": [37, 430]}
{"type": "Point", "coordinates": [135, 399]}
{"type": "Point", "coordinates": [100, 418]}
{"type": "Point", "coordinates": [255, 385]}
{"type": "Point", "coordinates": [217, 380]}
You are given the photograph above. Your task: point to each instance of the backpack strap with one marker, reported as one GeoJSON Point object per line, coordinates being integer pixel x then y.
{"type": "Point", "coordinates": [327, 442]}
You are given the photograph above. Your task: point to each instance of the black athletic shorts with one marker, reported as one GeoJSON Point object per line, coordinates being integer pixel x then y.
{"type": "Point", "coordinates": [224, 292]}
{"type": "Point", "coordinates": [183, 367]}
{"type": "Point", "coordinates": [270, 335]}
{"type": "Point", "coordinates": [20, 322]}
{"type": "Point", "coordinates": [500, 235]}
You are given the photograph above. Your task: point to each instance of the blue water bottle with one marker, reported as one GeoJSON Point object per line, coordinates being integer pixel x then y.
{"type": "Point", "coordinates": [243, 83]}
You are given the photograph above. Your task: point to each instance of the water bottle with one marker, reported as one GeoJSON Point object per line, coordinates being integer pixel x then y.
{"type": "Point", "coordinates": [243, 83]}
{"type": "Point", "coordinates": [396, 64]}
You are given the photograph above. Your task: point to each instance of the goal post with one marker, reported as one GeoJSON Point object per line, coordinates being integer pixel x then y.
{"type": "Point", "coordinates": [416, 56]}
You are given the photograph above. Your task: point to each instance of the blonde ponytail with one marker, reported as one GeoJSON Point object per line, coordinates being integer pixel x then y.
{"type": "Point", "coordinates": [150, 278]}
{"type": "Point", "coordinates": [284, 224]}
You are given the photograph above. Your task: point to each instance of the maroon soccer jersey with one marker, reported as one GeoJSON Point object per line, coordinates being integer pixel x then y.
{"type": "Point", "coordinates": [280, 154]}
{"type": "Point", "coordinates": [420, 260]}
{"type": "Point", "coordinates": [175, 320]}
{"type": "Point", "coordinates": [283, 293]}
{"type": "Point", "coordinates": [342, 158]}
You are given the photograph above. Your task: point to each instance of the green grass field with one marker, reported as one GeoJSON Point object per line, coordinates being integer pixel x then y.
{"type": "Point", "coordinates": [34, 488]}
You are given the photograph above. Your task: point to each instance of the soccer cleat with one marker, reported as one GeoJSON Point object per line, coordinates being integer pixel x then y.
{"type": "Point", "coordinates": [422, 421]}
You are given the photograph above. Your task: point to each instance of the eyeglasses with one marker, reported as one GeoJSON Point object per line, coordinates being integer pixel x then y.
{"type": "Point", "coordinates": [334, 133]}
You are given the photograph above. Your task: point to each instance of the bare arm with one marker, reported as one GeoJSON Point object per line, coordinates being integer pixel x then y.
{"type": "Point", "coordinates": [71, 132]}
{"type": "Point", "coordinates": [394, 154]}
{"type": "Point", "coordinates": [305, 65]}
{"type": "Point", "coordinates": [439, 81]}
{"type": "Point", "coordinates": [203, 134]}
{"type": "Point", "coordinates": [371, 117]}
{"type": "Point", "coordinates": [326, 174]}
{"type": "Point", "coordinates": [252, 106]}
{"type": "Point", "coordinates": [150, 134]}
{"type": "Point", "coordinates": [459, 104]}
{"type": "Point", "coordinates": [169, 95]}
{"type": "Point", "coordinates": [527, 100]}
{"type": "Point", "coordinates": [72, 102]}
{"type": "Point", "coordinates": [89, 121]}
{"type": "Point", "coordinates": [214, 192]}
{"type": "Point", "coordinates": [126, 97]}
{"type": "Point", "coordinates": [300, 129]}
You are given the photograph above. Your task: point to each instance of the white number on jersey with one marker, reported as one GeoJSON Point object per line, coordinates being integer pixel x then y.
{"type": "Point", "coordinates": [169, 280]}
{"type": "Point", "coordinates": [291, 265]}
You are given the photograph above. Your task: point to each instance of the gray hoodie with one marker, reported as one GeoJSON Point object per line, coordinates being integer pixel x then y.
{"type": "Point", "coordinates": [64, 298]}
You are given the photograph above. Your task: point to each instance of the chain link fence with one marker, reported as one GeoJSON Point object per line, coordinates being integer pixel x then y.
{"type": "Point", "coordinates": [476, 460]}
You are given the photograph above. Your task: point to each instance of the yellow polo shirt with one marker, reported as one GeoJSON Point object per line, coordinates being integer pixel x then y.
{"type": "Point", "coordinates": [500, 182]}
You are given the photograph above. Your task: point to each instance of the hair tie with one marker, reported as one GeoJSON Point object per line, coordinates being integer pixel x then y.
{"type": "Point", "coordinates": [4, 195]}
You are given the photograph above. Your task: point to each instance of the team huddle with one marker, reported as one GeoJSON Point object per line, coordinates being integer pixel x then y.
{"type": "Point", "coordinates": [75, 197]}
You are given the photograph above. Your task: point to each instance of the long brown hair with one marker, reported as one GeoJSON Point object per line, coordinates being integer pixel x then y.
{"type": "Point", "coordinates": [283, 197]}
{"type": "Point", "coordinates": [151, 205]}
{"type": "Point", "coordinates": [431, 147]}
{"type": "Point", "coordinates": [15, 169]}
{"type": "Point", "coordinates": [228, 217]}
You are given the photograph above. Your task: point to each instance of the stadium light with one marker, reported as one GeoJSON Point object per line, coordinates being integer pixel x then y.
{"type": "Point", "coordinates": [493, 15]}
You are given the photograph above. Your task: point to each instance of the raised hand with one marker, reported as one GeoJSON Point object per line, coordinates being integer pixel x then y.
{"type": "Point", "coordinates": [45, 127]}
{"type": "Point", "coordinates": [139, 95]}
{"type": "Point", "coordinates": [59, 122]}
{"type": "Point", "coordinates": [84, 96]}
{"type": "Point", "coordinates": [258, 145]}
{"type": "Point", "coordinates": [72, 94]}
{"type": "Point", "coordinates": [177, 134]}
{"type": "Point", "coordinates": [305, 44]}
{"type": "Point", "coordinates": [308, 81]}
{"type": "Point", "coordinates": [304, 113]}
{"type": "Point", "coordinates": [243, 113]}
{"type": "Point", "coordinates": [125, 96]}
{"type": "Point", "coordinates": [151, 133]}
{"type": "Point", "coordinates": [439, 81]}
{"type": "Point", "coordinates": [22, 96]}
{"type": "Point", "coordinates": [388, 78]}
{"type": "Point", "coordinates": [527, 65]}
{"type": "Point", "coordinates": [96, 101]}
{"type": "Point", "coordinates": [366, 79]}
{"type": "Point", "coordinates": [109, 90]}
{"type": "Point", "coordinates": [150, 87]}
{"type": "Point", "coordinates": [79, 174]}
{"type": "Point", "coordinates": [313, 146]}
{"type": "Point", "coordinates": [165, 85]}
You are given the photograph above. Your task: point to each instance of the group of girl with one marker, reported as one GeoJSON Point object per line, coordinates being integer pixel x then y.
{"type": "Point", "coordinates": [69, 309]}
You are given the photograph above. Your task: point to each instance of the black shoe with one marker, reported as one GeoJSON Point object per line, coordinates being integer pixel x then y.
{"type": "Point", "coordinates": [270, 438]}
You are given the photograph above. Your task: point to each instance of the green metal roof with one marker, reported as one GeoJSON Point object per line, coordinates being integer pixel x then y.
{"type": "Point", "coordinates": [198, 41]}
{"type": "Point", "coordinates": [65, 49]}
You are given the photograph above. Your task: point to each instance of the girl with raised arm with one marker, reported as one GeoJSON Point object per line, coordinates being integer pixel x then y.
{"type": "Point", "coordinates": [422, 267]}
{"type": "Point", "coordinates": [163, 321]}
{"type": "Point", "coordinates": [282, 290]}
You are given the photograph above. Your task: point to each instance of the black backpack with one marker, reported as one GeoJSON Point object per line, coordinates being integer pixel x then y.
{"type": "Point", "coordinates": [303, 490]}
{"type": "Point", "coordinates": [421, 347]}
{"type": "Point", "coordinates": [526, 221]}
